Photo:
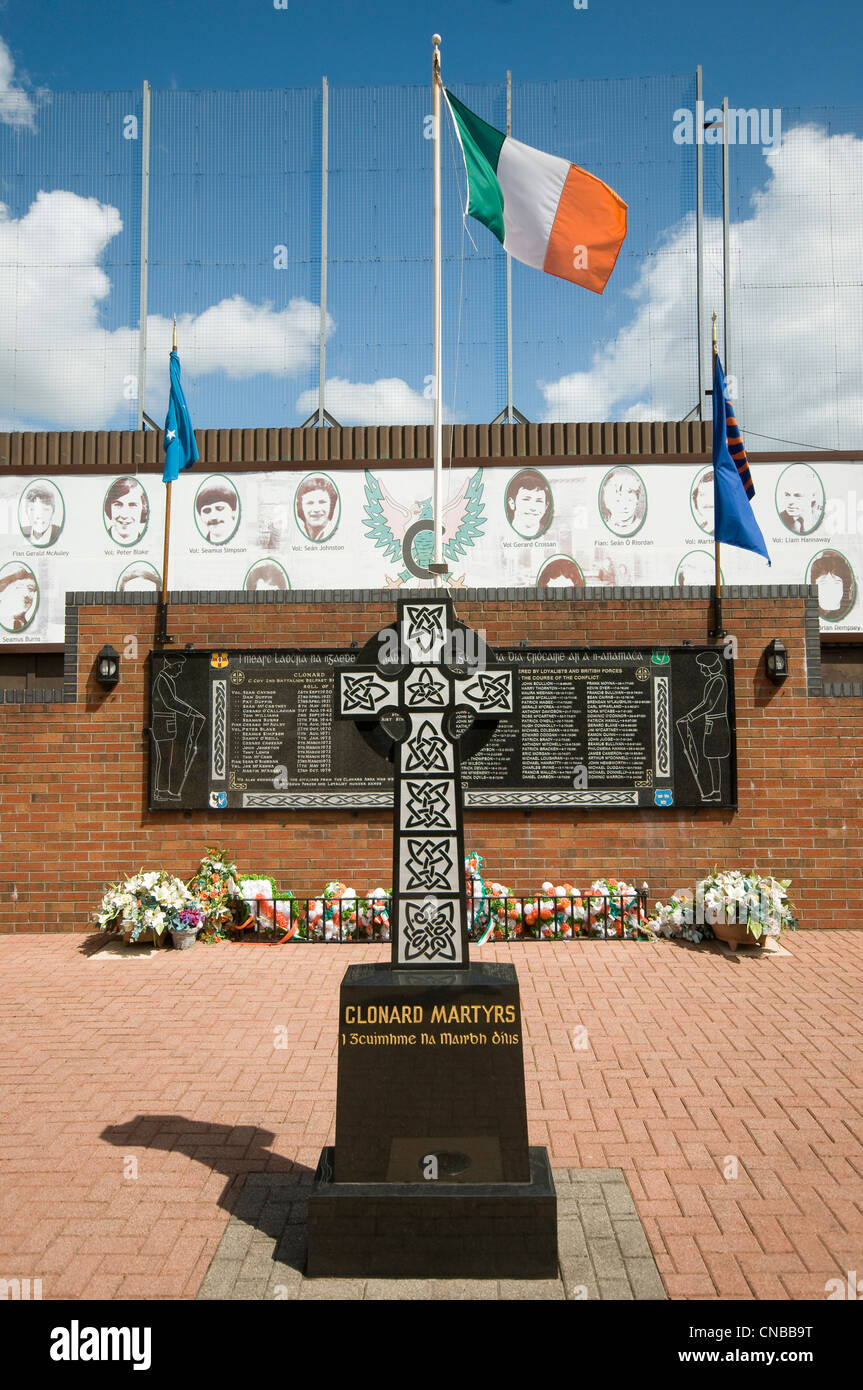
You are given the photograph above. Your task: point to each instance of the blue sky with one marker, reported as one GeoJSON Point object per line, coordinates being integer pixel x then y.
{"type": "Point", "coordinates": [790, 53]}
{"type": "Point", "coordinates": [234, 178]}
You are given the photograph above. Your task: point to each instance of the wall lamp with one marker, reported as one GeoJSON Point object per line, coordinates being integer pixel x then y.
{"type": "Point", "coordinates": [776, 662]}
{"type": "Point", "coordinates": [108, 667]}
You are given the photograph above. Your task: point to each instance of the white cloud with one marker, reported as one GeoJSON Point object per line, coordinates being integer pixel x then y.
{"type": "Point", "coordinates": [243, 339]}
{"type": "Point", "coordinates": [796, 342]}
{"type": "Point", "coordinates": [16, 105]}
{"type": "Point", "coordinates": [57, 361]}
{"type": "Point", "coordinates": [388, 401]}
{"type": "Point", "coordinates": [59, 364]}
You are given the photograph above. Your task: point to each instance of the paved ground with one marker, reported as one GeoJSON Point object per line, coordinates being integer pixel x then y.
{"type": "Point", "coordinates": [136, 1091]}
{"type": "Point", "coordinates": [602, 1249]}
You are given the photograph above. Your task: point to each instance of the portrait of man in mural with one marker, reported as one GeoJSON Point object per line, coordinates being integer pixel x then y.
{"type": "Point", "coordinates": [217, 510]}
{"type": "Point", "coordinates": [800, 499]}
{"type": "Point", "coordinates": [622, 501]}
{"type": "Point", "coordinates": [266, 575]}
{"type": "Point", "coordinates": [837, 587]}
{"type": "Point", "coordinates": [139, 579]}
{"type": "Point", "coordinates": [701, 498]}
{"type": "Point", "coordinates": [41, 516]}
{"type": "Point", "coordinates": [19, 598]}
{"type": "Point", "coordinates": [560, 572]}
{"type": "Point", "coordinates": [126, 511]}
{"type": "Point", "coordinates": [529, 505]}
{"type": "Point", "coordinates": [317, 505]}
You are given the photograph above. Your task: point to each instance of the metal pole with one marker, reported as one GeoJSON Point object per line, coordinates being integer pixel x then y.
{"type": "Point", "coordinates": [438, 363]}
{"type": "Point", "coordinates": [325, 163]}
{"type": "Point", "coordinates": [726, 256]}
{"type": "Point", "coordinates": [718, 629]}
{"type": "Point", "coordinates": [145, 251]}
{"type": "Point", "coordinates": [162, 634]}
{"type": "Point", "coordinates": [509, 414]}
{"type": "Point", "coordinates": [699, 233]}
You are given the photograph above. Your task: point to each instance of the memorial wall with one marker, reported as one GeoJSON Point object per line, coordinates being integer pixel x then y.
{"type": "Point", "coordinates": [74, 776]}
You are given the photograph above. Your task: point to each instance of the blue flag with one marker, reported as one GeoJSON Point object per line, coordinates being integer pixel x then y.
{"type": "Point", "coordinates": [181, 451]}
{"type": "Point", "coordinates": [734, 519]}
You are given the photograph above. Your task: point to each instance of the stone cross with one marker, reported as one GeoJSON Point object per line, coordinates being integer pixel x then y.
{"type": "Point", "coordinates": [424, 686]}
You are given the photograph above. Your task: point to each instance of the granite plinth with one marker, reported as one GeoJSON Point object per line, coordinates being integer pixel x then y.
{"type": "Point", "coordinates": [430, 1077]}
{"type": "Point", "coordinates": [431, 1175]}
{"type": "Point", "coordinates": [434, 1230]}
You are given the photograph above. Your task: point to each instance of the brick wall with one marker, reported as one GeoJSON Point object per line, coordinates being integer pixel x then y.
{"type": "Point", "coordinates": [73, 776]}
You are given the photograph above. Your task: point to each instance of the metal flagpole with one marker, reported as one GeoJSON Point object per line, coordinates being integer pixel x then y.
{"type": "Point", "coordinates": [718, 629]}
{"type": "Point", "coordinates": [325, 170]}
{"type": "Point", "coordinates": [726, 245]}
{"type": "Point", "coordinates": [509, 415]}
{"type": "Point", "coordinates": [145, 252]}
{"type": "Point", "coordinates": [438, 568]}
{"type": "Point", "coordinates": [699, 234]}
{"type": "Point", "coordinates": [163, 606]}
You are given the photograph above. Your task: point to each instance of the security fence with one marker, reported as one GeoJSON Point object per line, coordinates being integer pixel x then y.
{"type": "Point", "coordinates": [290, 232]}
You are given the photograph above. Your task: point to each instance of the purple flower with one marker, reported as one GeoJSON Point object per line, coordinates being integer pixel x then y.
{"type": "Point", "coordinates": [190, 917]}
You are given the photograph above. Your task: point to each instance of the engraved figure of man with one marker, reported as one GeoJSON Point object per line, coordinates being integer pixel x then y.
{"type": "Point", "coordinates": [705, 730]}
{"type": "Point", "coordinates": [176, 726]}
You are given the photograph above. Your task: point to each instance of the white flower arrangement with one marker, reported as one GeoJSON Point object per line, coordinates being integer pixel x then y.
{"type": "Point", "coordinates": [757, 900]}
{"type": "Point", "coordinates": [150, 901]}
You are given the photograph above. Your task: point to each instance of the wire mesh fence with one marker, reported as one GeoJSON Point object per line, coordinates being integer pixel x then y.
{"type": "Point", "coordinates": [245, 193]}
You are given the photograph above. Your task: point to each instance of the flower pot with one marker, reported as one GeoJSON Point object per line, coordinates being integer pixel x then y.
{"type": "Point", "coordinates": [146, 938]}
{"type": "Point", "coordinates": [734, 934]}
{"type": "Point", "coordinates": [184, 937]}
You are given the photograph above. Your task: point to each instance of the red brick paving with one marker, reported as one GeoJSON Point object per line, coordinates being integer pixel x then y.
{"type": "Point", "coordinates": [694, 1058]}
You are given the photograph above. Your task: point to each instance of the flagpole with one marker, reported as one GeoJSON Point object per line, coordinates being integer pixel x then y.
{"type": "Point", "coordinates": [438, 568]}
{"type": "Point", "coordinates": [163, 606]}
{"type": "Point", "coordinates": [718, 629]}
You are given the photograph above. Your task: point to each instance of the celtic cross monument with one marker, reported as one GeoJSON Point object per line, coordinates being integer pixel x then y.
{"type": "Point", "coordinates": [432, 676]}
{"type": "Point", "coordinates": [431, 1175]}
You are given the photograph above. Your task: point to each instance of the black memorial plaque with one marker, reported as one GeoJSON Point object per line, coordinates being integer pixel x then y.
{"type": "Point", "coordinates": [254, 730]}
{"type": "Point", "coordinates": [598, 728]}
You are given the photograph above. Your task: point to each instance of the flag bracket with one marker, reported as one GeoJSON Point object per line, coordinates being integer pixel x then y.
{"type": "Point", "coordinates": [510, 415]}
{"type": "Point", "coordinates": [162, 636]}
{"type": "Point", "coordinates": [315, 419]}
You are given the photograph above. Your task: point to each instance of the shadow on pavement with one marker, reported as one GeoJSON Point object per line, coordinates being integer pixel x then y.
{"type": "Point", "coordinates": [262, 1189]}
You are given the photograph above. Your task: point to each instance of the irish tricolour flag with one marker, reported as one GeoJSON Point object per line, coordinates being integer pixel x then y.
{"type": "Point", "coordinates": [547, 212]}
